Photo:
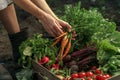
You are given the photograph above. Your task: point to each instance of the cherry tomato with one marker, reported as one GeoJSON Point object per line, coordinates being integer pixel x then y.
{"type": "Point", "coordinates": [107, 75]}
{"type": "Point", "coordinates": [97, 77]}
{"type": "Point", "coordinates": [104, 77]}
{"type": "Point", "coordinates": [81, 75]}
{"type": "Point", "coordinates": [97, 71]}
{"type": "Point", "coordinates": [89, 78]}
{"type": "Point", "coordinates": [89, 74]}
{"type": "Point", "coordinates": [100, 77]}
{"type": "Point", "coordinates": [74, 75]}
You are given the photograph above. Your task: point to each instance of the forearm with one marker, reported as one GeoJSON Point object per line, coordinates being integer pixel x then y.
{"type": "Point", "coordinates": [44, 6]}
{"type": "Point", "coordinates": [30, 7]}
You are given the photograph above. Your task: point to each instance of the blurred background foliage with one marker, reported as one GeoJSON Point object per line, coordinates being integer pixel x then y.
{"type": "Point", "coordinates": [109, 8]}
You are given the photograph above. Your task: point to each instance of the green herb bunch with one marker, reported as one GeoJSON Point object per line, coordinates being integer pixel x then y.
{"type": "Point", "coordinates": [35, 48]}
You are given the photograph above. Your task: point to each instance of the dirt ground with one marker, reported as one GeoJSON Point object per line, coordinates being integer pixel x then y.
{"type": "Point", "coordinates": [5, 46]}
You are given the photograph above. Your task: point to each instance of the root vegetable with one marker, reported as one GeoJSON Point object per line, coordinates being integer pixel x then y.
{"type": "Point", "coordinates": [56, 41]}
{"type": "Point", "coordinates": [67, 49]}
{"type": "Point", "coordinates": [74, 68]}
{"type": "Point", "coordinates": [73, 62]}
{"type": "Point", "coordinates": [63, 45]}
{"type": "Point", "coordinates": [86, 60]}
{"type": "Point", "coordinates": [83, 52]}
{"type": "Point", "coordinates": [44, 60]}
{"type": "Point", "coordinates": [63, 34]}
{"type": "Point", "coordinates": [67, 58]}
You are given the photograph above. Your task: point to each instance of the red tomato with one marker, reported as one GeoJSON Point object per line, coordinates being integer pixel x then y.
{"type": "Point", "coordinates": [89, 78]}
{"type": "Point", "coordinates": [100, 77]}
{"type": "Point", "coordinates": [89, 74]}
{"type": "Point", "coordinates": [74, 75]}
{"type": "Point", "coordinates": [82, 79]}
{"type": "Point", "coordinates": [107, 75]}
{"type": "Point", "coordinates": [97, 77]}
{"type": "Point", "coordinates": [81, 75]}
{"type": "Point", "coordinates": [104, 77]}
{"type": "Point", "coordinates": [97, 71]}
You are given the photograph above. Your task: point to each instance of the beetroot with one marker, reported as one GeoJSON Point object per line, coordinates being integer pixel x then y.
{"type": "Point", "coordinates": [86, 60]}
{"type": "Point", "coordinates": [83, 52]}
{"type": "Point", "coordinates": [74, 68]}
{"type": "Point", "coordinates": [67, 58]}
{"type": "Point", "coordinates": [73, 62]}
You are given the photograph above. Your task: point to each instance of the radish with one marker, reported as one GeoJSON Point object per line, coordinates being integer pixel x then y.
{"type": "Point", "coordinates": [56, 66]}
{"type": "Point", "coordinates": [44, 60]}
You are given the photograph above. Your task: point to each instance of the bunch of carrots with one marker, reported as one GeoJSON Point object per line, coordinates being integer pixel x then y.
{"type": "Point", "coordinates": [65, 44]}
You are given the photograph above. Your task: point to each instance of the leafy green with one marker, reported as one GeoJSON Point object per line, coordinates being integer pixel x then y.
{"type": "Point", "coordinates": [35, 48]}
{"type": "Point", "coordinates": [114, 38]}
{"type": "Point", "coordinates": [87, 23]}
{"type": "Point", "coordinates": [24, 74]}
{"type": "Point", "coordinates": [92, 28]}
{"type": "Point", "coordinates": [27, 51]}
{"type": "Point", "coordinates": [105, 51]}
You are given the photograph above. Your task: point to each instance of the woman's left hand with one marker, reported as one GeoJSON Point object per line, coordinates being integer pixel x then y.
{"type": "Point", "coordinates": [65, 25]}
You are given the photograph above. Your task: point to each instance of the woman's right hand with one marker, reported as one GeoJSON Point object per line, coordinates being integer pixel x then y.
{"type": "Point", "coordinates": [51, 25]}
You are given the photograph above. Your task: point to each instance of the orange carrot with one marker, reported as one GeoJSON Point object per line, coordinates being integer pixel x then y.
{"type": "Point", "coordinates": [56, 41]}
{"type": "Point", "coordinates": [63, 45]}
{"type": "Point", "coordinates": [63, 34]}
{"type": "Point", "coordinates": [67, 49]}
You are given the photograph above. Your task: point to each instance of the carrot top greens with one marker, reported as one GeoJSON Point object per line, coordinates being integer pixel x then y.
{"type": "Point", "coordinates": [92, 28]}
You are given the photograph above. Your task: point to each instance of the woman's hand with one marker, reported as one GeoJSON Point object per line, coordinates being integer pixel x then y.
{"type": "Point", "coordinates": [65, 25]}
{"type": "Point", "coordinates": [54, 27]}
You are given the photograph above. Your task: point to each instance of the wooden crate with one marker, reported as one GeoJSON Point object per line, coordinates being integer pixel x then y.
{"type": "Point", "coordinates": [42, 73]}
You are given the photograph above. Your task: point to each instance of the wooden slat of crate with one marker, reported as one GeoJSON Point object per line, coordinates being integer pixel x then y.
{"type": "Point", "coordinates": [43, 71]}
{"type": "Point", "coordinates": [37, 76]}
